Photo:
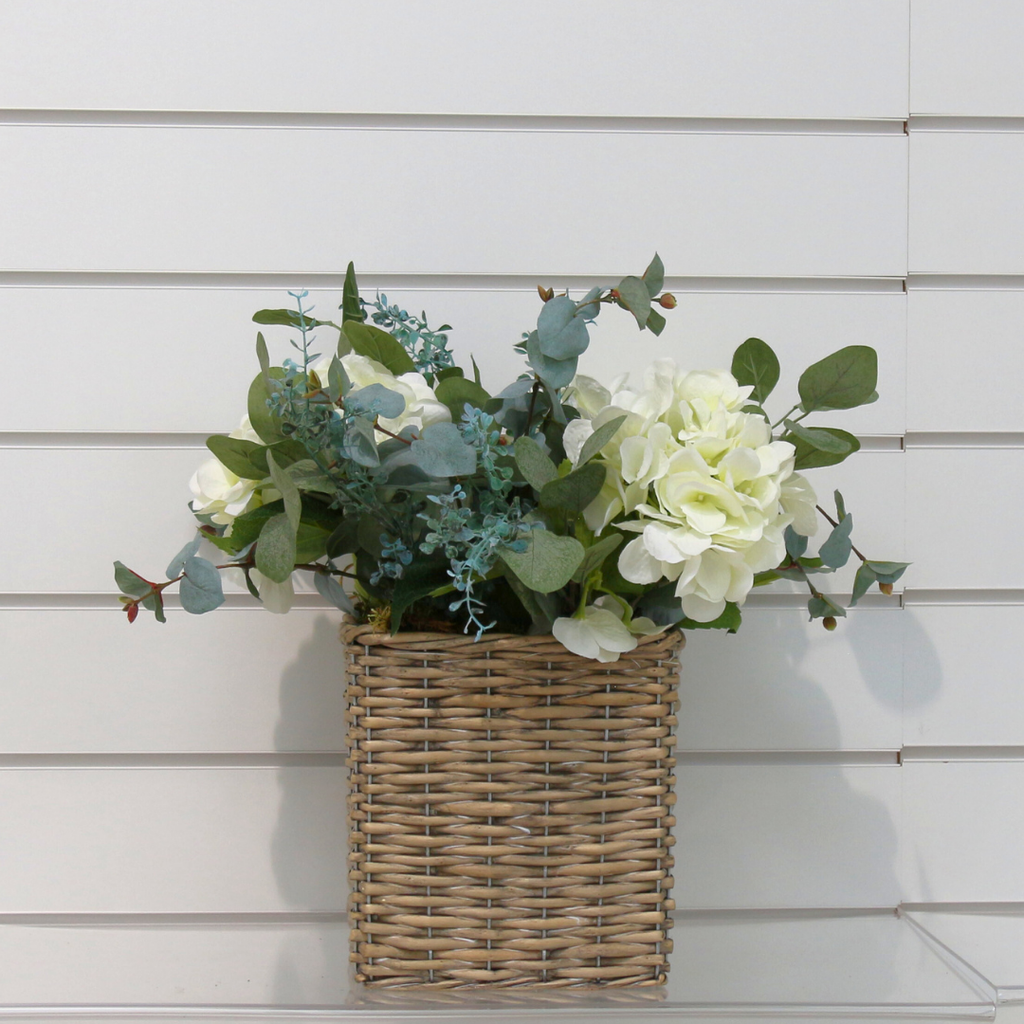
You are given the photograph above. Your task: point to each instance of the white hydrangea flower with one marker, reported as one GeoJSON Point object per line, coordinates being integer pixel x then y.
{"type": "Point", "coordinates": [601, 632]}
{"type": "Point", "coordinates": [219, 493]}
{"type": "Point", "coordinates": [710, 491]}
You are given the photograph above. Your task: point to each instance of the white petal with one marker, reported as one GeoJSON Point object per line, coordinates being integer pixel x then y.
{"type": "Point", "coordinates": [699, 610]}
{"type": "Point", "coordinates": [638, 565]}
{"type": "Point", "coordinates": [574, 635]}
{"type": "Point", "coordinates": [575, 436]}
{"type": "Point", "coordinates": [610, 632]}
{"type": "Point", "coordinates": [276, 597]}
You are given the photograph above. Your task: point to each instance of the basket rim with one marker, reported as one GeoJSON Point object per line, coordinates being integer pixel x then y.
{"type": "Point", "coordinates": [351, 632]}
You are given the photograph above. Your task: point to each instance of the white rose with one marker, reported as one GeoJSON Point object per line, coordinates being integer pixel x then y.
{"type": "Point", "coordinates": [219, 493]}
{"type": "Point", "coordinates": [421, 405]}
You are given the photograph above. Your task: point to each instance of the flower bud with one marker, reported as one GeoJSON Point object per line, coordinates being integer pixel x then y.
{"type": "Point", "coordinates": [547, 294]}
{"type": "Point", "coordinates": [132, 611]}
{"type": "Point", "coordinates": [885, 588]}
{"type": "Point", "coordinates": [614, 293]}
{"type": "Point", "coordinates": [829, 622]}
{"type": "Point", "coordinates": [668, 301]}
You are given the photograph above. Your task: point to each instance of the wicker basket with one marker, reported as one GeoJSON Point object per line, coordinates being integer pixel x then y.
{"type": "Point", "coordinates": [510, 810]}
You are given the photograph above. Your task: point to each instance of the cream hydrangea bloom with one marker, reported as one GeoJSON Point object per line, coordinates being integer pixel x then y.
{"type": "Point", "coordinates": [421, 405]}
{"type": "Point", "coordinates": [601, 632]}
{"type": "Point", "coordinates": [219, 493]}
{"type": "Point", "coordinates": [706, 489]}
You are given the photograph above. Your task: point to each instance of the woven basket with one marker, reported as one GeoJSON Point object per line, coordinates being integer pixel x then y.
{"type": "Point", "coordinates": [510, 810]}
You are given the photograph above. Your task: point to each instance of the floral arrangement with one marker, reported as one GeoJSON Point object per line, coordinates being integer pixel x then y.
{"type": "Point", "coordinates": [417, 500]}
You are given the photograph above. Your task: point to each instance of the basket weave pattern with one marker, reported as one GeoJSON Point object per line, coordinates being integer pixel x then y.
{"type": "Point", "coordinates": [510, 810]}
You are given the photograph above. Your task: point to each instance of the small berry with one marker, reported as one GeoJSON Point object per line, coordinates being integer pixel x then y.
{"type": "Point", "coordinates": [614, 293]}
{"type": "Point", "coordinates": [829, 622]}
{"type": "Point", "coordinates": [668, 301]}
{"type": "Point", "coordinates": [885, 588]}
{"type": "Point", "coordinates": [133, 611]}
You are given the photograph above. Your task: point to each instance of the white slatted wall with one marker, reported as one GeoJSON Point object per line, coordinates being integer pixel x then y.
{"type": "Point", "coordinates": [168, 168]}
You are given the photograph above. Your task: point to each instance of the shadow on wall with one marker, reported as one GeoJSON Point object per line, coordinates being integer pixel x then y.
{"type": "Point", "coordinates": [310, 841]}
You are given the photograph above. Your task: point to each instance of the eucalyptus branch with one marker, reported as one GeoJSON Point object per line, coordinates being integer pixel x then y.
{"type": "Point", "coordinates": [834, 525]}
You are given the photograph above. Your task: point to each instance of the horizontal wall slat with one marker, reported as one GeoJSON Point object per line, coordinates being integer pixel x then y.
{"type": "Point", "coordinates": [964, 57]}
{"type": "Point", "coordinates": [782, 683]}
{"type": "Point", "coordinates": [963, 675]}
{"type": "Point", "coordinates": [241, 683]}
{"type": "Point", "coordinates": [966, 212]}
{"type": "Point", "coordinates": [962, 514]}
{"type": "Point", "coordinates": [234, 681]}
{"type": "Point", "coordinates": [787, 836]}
{"type": "Point", "coordinates": [295, 964]}
{"type": "Point", "coordinates": [704, 58]}
{"type": "Point", "coordinates": [451, 202]}
{"type": "Point", "coordinates": [223, 841]}
{"type": "Point", "coordinates": [131, 505]}
{"type": "Point", "coordinates": [963, 826]}
{"type": "Point", "coordinates": [981, 335]}
{"type": "Point", "coordinates": [173, 840]}
{"type": "Point", "coordinates": [182, 359]}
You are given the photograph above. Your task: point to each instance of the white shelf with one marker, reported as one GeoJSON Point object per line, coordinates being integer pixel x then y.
{"type": "Point", "coordinates": [725, 967]}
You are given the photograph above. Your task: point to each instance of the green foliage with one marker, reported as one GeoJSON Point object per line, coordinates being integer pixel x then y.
{"type": "Point", "coordinates": [480, 522]}
{"type": "Point", "coordinates": [573, 493]}
{"type": "Point", "coordinates": [843, 380]}
{"type": "Point", "coordinates": [548, 563]}
{"type": "Point", "coordinates": [455, 392]}
{"type": "Point", "coordinates": [536, 467]}
{"type": "Point", "coordinates": [372, 342]}
{"type": "Point", "coordinates": [598, 439]}
{"type": "Point", "coordinates": [275, 550]}
{"type": "Point", "coordinates": [808, 456]}
{"type": "Point", "coordinates": [754, 363]}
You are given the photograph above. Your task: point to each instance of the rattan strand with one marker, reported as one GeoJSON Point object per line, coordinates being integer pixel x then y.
{"type": "Point", "coordinates": [509, 810]}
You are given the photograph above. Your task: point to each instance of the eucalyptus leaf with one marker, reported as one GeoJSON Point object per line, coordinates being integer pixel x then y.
{"type": "Point", "coordinates": [598, 439]}
{"type": "Point", "coordinates": [536, 467]}
{"type": "Point", "coordinates": [338, 383]}
{"type": "Point", "coordinates": [441, 451]}
{"type": "Point", "coordinates": [457, 392]}
{"type": "Point", "coordinates": [419, 580]}
{"type": "Point", "coordinates": [201, 590]}
{"type": "Point", "coordinates": [887, 572]}
{"type": "Point", "coordinates": [262, 355]}
{"type": "Point", "coordinates": [575, 491]}
{"type": "Point", "coordinates": [809, 457]}
{"type": "Point", "coordinates": [589, 308]}
{"type": "Point", "coordinates": [372, 342]}
{"type": "Point", "coordinates": [796, 543]}
{"type": "Point", "coordinates": [332, 590]}
{"type": "Point", "coordinates": [655, 322]}
{"type": "Point", "coordinates": [360, 444]}
{"type": "Point", "coordinates": [595, 555]}
{"type": "Point", "coordinates": [155, 603]}
{"type": "Point", "coordinates": [177, 564]}
{"type": "Point", "coordinates": [862, 582]}
{"type": "Point", "coordinates": [654, 276]}
{"type": "Point", "coordinates": [237, 454]}
{"type": "Point", "coordinates": [633, 294]}
{"type": "Point", "coordinates": [822, 439]}
{"type": "Point", "coordinates": [548, 562]}
{"type": "Point", "coordinates": [288, 318]}
{"type": "Point", "coordinates": [375, 400]}
{"type": "Point", "coordinates": [754, 363]}
{"type": "Point", "coordinates": [263, 421]}
{"type": "Point", "coordinates": [130, 583]}
{"type": "Point", "coordinates": [842, 380]}
{"type": "Point", "coordinates": [275, 550]}
{"type": "Point", "coordinates": [836, 549]}
{"type": "Point", "coordinates": [556, 373]}
{"type": "Point", "coordinates": [351, 308]}
{"type": "Point", "coordinates": [822, 605]}
{"type": "Point", "coordinates": [840, 505]}
{"type": "Point", "coordinates": [289, 492]}
{"type": "Point", "coordinates": [561, 334]}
